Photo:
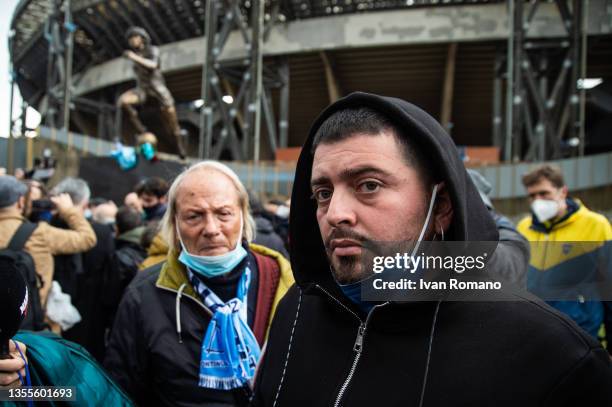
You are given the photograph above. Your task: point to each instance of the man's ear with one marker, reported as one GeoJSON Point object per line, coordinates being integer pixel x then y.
{"type": "Point", "coordinates": [443, 209]}
{"type": "Point", "coordinates": [163, 199]}
{"type": "Point", "coordinates": [564, 191]}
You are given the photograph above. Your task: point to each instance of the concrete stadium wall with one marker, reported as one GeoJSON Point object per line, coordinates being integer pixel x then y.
{"type": "Point", "coordinates": [588, 178]}
{"type": "Point", "coordinates": [385, 28]}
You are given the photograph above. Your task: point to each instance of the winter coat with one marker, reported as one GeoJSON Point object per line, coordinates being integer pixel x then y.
{"type": "Point", "coordinates": [576, 248]}
{"type": "Point", "coordinates": [93, 289]}
{"type": "Point", "coordinates": [155, 345]}
{"type": "Point", "coordinates": [48, 241]}
{"type": "Point", "coordinates": [156, 253]}
{"type": "Point", "coordinates": [266, 236]}
{"type": "Point", "coordinates": [129, 255]}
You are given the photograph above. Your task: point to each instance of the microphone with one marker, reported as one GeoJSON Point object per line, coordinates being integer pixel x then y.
{"type": "Point", "coordinates": [14, 300]}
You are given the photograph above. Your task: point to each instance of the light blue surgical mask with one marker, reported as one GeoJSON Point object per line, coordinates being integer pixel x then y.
{"type": "Point", "coordinates": [213, 266]}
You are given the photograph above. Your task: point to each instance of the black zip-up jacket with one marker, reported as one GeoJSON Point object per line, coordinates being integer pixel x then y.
{"type": "Point", "coordinates": [323, 351]}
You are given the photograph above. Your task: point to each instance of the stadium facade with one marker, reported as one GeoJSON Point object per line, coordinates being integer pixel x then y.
{"type": "Point", "coordinates": [496, 73]}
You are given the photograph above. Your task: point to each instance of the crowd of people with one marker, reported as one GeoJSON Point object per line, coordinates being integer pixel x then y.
{"type": "Point", "coordinates": [193, 292]}
{"type": "Point", "coordinates": [91, 249]}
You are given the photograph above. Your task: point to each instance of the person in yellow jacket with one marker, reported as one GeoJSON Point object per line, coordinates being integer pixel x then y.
{"type": "Point", "coordinates": [570, 250]}
{"type": "Point", "coordinates": [157, 252]}
{"type": "Point", "coordinates": [190, 331]}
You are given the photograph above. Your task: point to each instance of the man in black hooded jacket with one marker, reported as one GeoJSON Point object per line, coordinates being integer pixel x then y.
{"type": "Point", "coordinates": [381, 169]}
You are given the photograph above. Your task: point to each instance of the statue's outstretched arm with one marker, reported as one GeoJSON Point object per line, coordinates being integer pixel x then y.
{"type": "Point", "coordinates": [145, 62]}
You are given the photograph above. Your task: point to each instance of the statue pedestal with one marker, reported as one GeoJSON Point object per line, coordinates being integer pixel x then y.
{"type": "Point", "coordinates": [108, 180]}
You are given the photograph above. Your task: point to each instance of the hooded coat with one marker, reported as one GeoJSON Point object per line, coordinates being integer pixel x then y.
{"type": "Point", "coordinates": [324, 351]}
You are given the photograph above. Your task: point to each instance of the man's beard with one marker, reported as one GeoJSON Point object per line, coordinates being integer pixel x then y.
{"type": "Point", "coordinates": [347, 269]}
{"type": "Point", "coordinates": [350, 269]}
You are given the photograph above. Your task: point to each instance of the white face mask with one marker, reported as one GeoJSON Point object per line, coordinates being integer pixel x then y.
{"type": "Point", "coordinates": [282, 211]}
{"type": "Point", "coordinates": [432, 202]}
{"type": "Point", "coordinates": [545, 209]}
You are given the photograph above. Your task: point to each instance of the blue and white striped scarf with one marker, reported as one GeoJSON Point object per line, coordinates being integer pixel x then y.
{"type": "Point", "coordinates": [230, 351]}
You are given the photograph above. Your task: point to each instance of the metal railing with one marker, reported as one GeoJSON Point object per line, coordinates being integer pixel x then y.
{"type": "Point", "coordinates": [580, 173]}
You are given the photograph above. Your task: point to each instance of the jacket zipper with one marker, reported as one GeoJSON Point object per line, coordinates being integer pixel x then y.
{"type": "Point", "coordinates": [546, 242]}
{"type": "Point", "coordinates": [357, 347]}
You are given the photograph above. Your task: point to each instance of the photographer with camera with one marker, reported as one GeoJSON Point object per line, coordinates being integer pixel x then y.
{"type": "Point", "coordinates": [38, 206]}
{"type": "Point", "coordinates": [39, 242]}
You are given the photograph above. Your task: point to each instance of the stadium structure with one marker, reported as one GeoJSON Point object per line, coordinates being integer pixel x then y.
{"type": "Point", "coordinates": [514, 82]}
{"type": "Point", "coordinates": [249, 76]}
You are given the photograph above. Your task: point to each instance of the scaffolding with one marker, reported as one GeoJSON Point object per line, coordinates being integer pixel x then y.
{"type": "Point", "coordinates": [244, 102]}
{"type": "Point", "coordinates": [544, 105]}
{"type": "Point", "coordinates": [238, 93]}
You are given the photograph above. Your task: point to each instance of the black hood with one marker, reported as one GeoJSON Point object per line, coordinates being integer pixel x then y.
{"type": "Point", "coordinates": [471, 219]}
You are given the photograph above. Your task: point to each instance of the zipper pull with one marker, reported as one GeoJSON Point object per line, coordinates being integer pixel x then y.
{"type": "Point", "coordinates": [359, 340]}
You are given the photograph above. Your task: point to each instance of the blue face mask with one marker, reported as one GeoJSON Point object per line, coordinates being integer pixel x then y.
{"type": "Point", "coordinates": [213, 266]}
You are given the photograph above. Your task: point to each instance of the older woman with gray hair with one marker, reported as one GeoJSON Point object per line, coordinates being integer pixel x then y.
{"type": "Point", "coordinates": [190, 330]}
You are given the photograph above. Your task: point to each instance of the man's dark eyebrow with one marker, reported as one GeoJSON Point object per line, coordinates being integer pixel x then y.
{"type": "Point", "coordinates": [319, 181]}
{"type": "Point", "coordinates": [359, 171]}
{"type": "Point", "coordinates": [351, 173]}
